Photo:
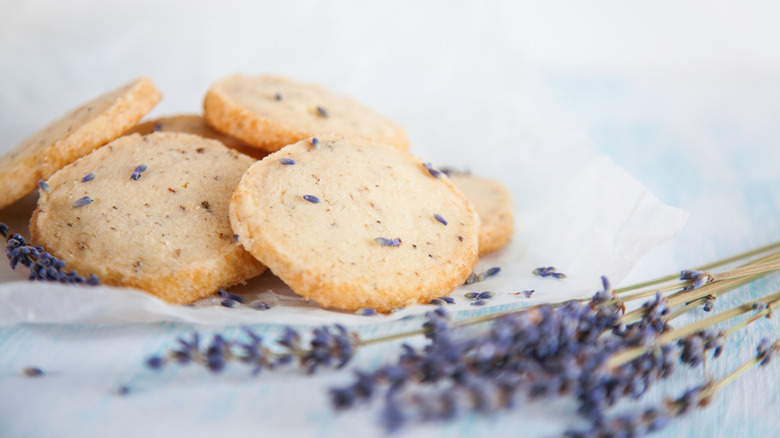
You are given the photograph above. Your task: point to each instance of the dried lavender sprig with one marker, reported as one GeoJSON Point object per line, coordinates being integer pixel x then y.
{"type": "Point", "coordinates": [42, 265]}
{"type": "Point", "coordinates": [654, 419]}
{"type": "Point", "coordinates": [724, 289]}
{"type": "Point", "coordinates": [709, 266]}
{"type": "Point", "coordinates": [329, 346]}
{"type": "Point", "coordinates": [715, 288]}
{"type": "Point", "coordinates": [489, 318]}
{"type": "Point", "coordinates": [744, 271]}
{"type": "Point", "coordinates": [630, 354]}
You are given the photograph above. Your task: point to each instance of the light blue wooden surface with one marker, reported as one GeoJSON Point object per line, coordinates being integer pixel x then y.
{"type": "Point", "coordinates": [702, 138]}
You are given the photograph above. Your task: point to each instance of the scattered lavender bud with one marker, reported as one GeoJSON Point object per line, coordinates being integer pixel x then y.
{"type": "Point", "coordinates": [278, 96]}
{"type": "Point", "coordinates": [44, 186]}
{"type": "Point", "coordinates": [365, 312]}
{"type": "Point", "coordinates": [81, 202]}
{"type": "Point", "coordinates": [485, 295]}
{"type": "Point", "coordinates": [439, 218]}
{"type": "Point", "coordinates": [137, 172]}
{"type": "Point", "coordinates": [223, 293]}
{"type": "Point", "coordinates": [315, 142]}
{"type": "Point", "coordinates": [543, 272]}
{"type": "Point", "coordinates": [493, 271]}
{"type": "Point", "coordinates": [471, 295]}
{"type": "Point", "coordinates": [448, 300]}
{"type": "Point", "coordinates": [765, 351]}
{"type": "Point", "coordinates": [437, 302]}
{"type": "Point", "coordinates": [479, 303]}
{"type": "Point", "coordinates": [528, 293]}
{"type": "Point", "coordinates": [388, 242]}
{"type": "Point", "coordinates": [472, 278]}
{"type": "Point", "coordinates": [311, 198]}
{"type": "Point", "coordinates": [228, 303]}
{"type": "Point", "coordinates": [709, 304]}
{"type": "Point", "coordinates": [238, 298]}
{"type": "Point", "coordinates": [549, 271]}
{"type": "Point", "coordinates": [4, 230]}
{"type": "Point", "coordinates": [88, 177]}
{"type": "Point", "coordinates": [286, 161]}
{"type": "Point", "coordinates": [32, 372]}
{"type": "Point", "coordinates": [322, 111]}
{"type": "Point", "coordinates": [434, 173]}
{"type": "Point", "coordinates": [481, 276]}
{"type": "Point", "coordinates": [157, 127]}
{"type": "Point", "coordinates": [259, 305]}
{"type": "Point", "coordinates": [155, 362]}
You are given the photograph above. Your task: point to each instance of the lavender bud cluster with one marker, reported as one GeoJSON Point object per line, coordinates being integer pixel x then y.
{"type": "Point", "coordinates": [42, 265]}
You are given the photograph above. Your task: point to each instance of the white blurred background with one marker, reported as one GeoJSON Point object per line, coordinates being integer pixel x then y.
{"type": "Point", "coordinates": [436, 68]}
{"type": "Point", "coordinates": [684, 95]}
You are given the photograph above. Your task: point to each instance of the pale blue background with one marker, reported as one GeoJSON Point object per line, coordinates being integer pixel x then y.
{"type": "Point", "coordinates": [684, 95]}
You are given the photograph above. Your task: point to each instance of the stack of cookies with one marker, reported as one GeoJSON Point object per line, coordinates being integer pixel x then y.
{"type": "Point", "coordinates": [313, 186]}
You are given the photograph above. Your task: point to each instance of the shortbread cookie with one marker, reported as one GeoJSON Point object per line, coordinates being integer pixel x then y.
{"type": "Point", "coordinates": [194, 124]}
{"type": "Point", "coordinates": [350, 224]}
{"type": "Point", "coordinates": [150, 213]}
{"type": "Point", "coordinates": [494, 206]}
{"type": "Point", "coordinates": [74, 135]}
{"type": "Point", "coordinates": [270, 113]}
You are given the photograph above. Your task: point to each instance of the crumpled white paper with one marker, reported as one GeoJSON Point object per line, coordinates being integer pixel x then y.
{"type": "Point", "coordinates": [591, 220]}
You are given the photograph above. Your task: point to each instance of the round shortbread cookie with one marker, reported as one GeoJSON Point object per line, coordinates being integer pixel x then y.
{"type": "Point", "coordinates": [270, 113]}
{"type": "Point", "coordinates": [76, 134]}
{"type": "Point", "coordinates": [494, 206]}
{"type": "Point", "coordinates": [354, 224]}
{"type": "Point", "coordinates": [194, 124]}
{"type": "Point", "coordinates": [150, 213]}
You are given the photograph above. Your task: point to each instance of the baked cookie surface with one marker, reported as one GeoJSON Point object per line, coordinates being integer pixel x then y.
{"type": "Point", "coordinates": [75, 134]}
{"type": "Point", "coordinates": [354, 224]}
{"type": "Point", "coordinates": [493, 203]}
{"type": "Point", "coordinates": [150, 213]}
{"type": "Point", "coordinates": [194, 124]}
{"type": "Point", "coordinates": [270, 113]}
